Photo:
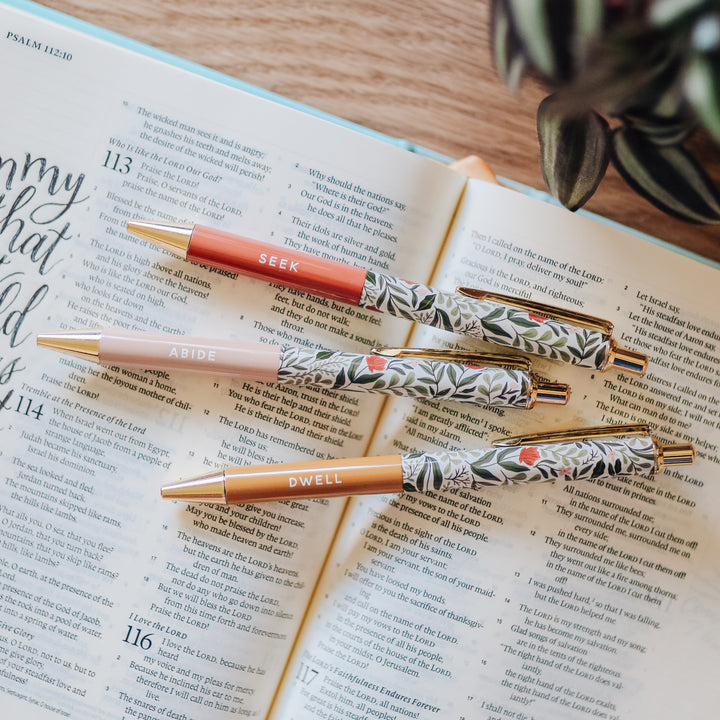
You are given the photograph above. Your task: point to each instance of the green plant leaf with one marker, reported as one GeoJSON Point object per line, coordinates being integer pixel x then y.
{"type": "Point", "coordinates": [506, 50]}
{"type": "Point", "coordinates": [587, 26]}
{"type": "Point", "coordinates": [666, 119]}
{"type": "Point", "coordinates": [665, 13]}
{"type": "Point", "coordinates": [532, 26]}
{"type": "Point", "coordinates": [555, 34]}
{"type": "Point", "coordinates": [702, 89]}
{"type": "Point", "coordinates": [573, 152]}
{"type": "Point", "coordinates": [705, 36]}
{"type": "Point", "coordinates": [668, 176]}
{"type": "Point", "coordinates": [627, 70]}
{"type": "Point", "coordinates": [664, 130]}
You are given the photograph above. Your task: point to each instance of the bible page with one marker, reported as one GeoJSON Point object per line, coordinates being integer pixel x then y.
{"type": "Point", "coordinates": [111, 597]}
{"type": "Point", "coordinates": [568, 600]}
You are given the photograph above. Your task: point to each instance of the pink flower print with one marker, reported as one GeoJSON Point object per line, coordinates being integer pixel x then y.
{"type": "Point", "coordinates": [529, 456]}
{"type": "Point", "coordinates": [376, 363]}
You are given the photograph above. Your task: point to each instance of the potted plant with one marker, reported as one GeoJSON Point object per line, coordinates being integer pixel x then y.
{"type": "Point", "coordinates": [630, 81]}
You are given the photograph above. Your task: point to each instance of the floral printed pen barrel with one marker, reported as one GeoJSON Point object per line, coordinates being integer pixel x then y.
{"type": "Point", "coordinates": [576, 455]}
{"type": "Point", "coordinates": [478, 378]}
{"type": "Point", "coordinates": [534, 328]}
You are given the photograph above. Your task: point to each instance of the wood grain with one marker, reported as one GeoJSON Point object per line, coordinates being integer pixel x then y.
{"type": "Point", "coordinates": [407, 68]}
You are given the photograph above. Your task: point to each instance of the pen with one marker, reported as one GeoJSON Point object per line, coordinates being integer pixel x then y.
{"type": "Point", "coordinates": [533, 328]}
{"type": "Point", "coordinates": [590, 453]}
{"type": "Point", "coordinates": [483, 379]}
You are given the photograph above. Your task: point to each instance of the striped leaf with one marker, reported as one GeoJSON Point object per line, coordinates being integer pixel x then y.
{"type": "Point", "coordinates": [666, 116]}
{"type": "Point", "coordinates": [665, 13]}
{"type": "Point", "coordinates": [573, 152]}
{"type": "Point", "coordinates": [702, 89]}
{"type": "Point", "coordinates": [668, 176]}
{"type": "Point", "coordinates": [628, 70]}
{"type": "Point", "coordinates": [669, 122]}
{"type": "Point", "coordinates": [506, 49]}
{"type": "Point", "coordinates": [661, 130]}
{"type": "Point", "coordinates": [555, 33]}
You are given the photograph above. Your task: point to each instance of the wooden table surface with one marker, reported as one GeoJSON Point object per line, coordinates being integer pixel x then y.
{"type": "Point", "coordinates": [409, 68]}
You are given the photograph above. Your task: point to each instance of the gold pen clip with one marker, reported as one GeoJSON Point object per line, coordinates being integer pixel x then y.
{"type": "Point", "coordinates": [550, 311]}
{"type": "Point", "coordinates": [589, 433]}
{"type": "Point", "coordinates": [617, 356]}
{"type": "Point", "coordinates": [464, 357]}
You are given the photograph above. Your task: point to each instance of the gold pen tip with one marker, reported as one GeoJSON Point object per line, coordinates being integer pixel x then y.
{"type": "Point", "coordinates": [173, 238]}
{"type": "Point", "coordinates": [84, 344]}
{"type": "Point", "coordinates": [208, 488]}
{"type": "Point", "coordinates": [45, 339]}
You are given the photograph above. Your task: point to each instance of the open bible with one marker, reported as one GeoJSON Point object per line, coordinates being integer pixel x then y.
{"type": "Point", "coordinates": [564, 600]}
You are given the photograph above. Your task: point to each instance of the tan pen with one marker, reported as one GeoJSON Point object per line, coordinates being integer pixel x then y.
{"type": "Point", "coordinates": [585, 454]}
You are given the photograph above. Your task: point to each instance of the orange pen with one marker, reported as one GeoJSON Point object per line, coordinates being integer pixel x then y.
{"type": "Point", "coordinates": [534, 328]}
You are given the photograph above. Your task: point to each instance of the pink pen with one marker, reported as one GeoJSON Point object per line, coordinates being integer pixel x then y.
{"type": "Point", "coordinates": [472, 378]}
